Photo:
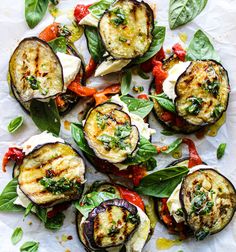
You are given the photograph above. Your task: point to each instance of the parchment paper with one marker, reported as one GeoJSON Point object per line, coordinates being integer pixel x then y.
{"type": "Point", "coordinates": [218, 21]}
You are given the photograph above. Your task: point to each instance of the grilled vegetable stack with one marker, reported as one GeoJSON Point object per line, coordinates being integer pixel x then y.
{"type": "Point", "coordinates": [125, 29]}
{"type": "Point", "coordinates": [200, 93]}
{"type": "Point", "coordinates": [115, 138]}
{"type": "Point", "coordinates": [49, 173]}
{"type": "Point", "coordinates": [202, 204]}
{"type": "Point", "coordinates": [106, 219]}
{"type": "Point", "coordinates": [37, 72]}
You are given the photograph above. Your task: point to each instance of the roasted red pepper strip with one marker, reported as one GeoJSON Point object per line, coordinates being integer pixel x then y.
{"type": "Point", "coordinates": [90, 68]}
{"type": "Point", "coordinates": [138, 173]}
{"type": "Point", "coordinates": [131, 196]}
{"type": "Point", "coordinates": [179, 51]}
{"type": "Point", "coordinates": [194, 158]}
{"type": "Point", "coordinates": [80, 90]}
{"type": "Point", "coordinates": [101, 96]}
{"type": "Point", "coordinates": [57, 209]}
{"type": "Point", "coordinates": [14, 154]}
{"type": "Point", "coordinates": [60, 102]}
{"type": "Point", "coordinates": [143, 96]}
{"type": "Point", "coordinates": [50, 32]}
{"type": "Point", "coordinates": [148, 65]}
{"type": "Point", "coordinates": [81, 11]}
{"type": "Point", "coordinates": [160, 75]}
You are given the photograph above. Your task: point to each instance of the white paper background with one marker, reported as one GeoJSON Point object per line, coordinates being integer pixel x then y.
{"type": "Point", "coordinates": [218, 21]}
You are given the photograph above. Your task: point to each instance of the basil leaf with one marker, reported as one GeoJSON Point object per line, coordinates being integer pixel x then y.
{"type": "Point", "coordinates": [167, 132]}
{"type": "Point", "coordinates": [150, 164]}
{"type": "Point", "coordinates": [28, 209]}
{"type": "Point", "coordinates": [56, 222]}
{"type": "Point", "coordinates": [126, 82]}
{"type": "Point", "coordinates": [162, 183]}
{"type": "Point", "coordinates": [157, 42]}
{"type": "Point", "coordinates": [221, 150]}
{"type": "Point", "coordinates": [138, 107]}
{"type": "Point", "coordinates": [8, 196]}
{"type": "Point", "coordinates": [97, 9]}
{"type": "Point", "coordinates": [164, 102]}
{"type": "Point", "coordinates": [15, 124]}
{"type": "Point", "coordinates": [173, 146]}
{"type": "Point", "coordinates": [41, 213]}
{"type": "Point", "coordinates": [146, 150]}
{"type": "Point", "coordinates": [95, 46]}
{"type": "Point", "coordinates": [30, 246]}
{"type": "Point", "coordinates": [45, 115]}
{"type": "Point", "coordinates": [17, 235]}
{"type": "Point", "coordinates": [200, 48]}
{"type": "Point", "coordinates": [183, 11]}
{"type": "Point", "coordinates": [89, 201]}
{"type": "Point", "coordinates": [58, 44]}
{"type": "Point", "coordinates": [142, 74]}
{"type": "Point", "coordinates": [78, 136]}
{"type": "Point", "coordinates": [35, 11]}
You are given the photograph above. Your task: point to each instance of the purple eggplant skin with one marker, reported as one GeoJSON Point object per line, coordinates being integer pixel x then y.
{"type": "Point", "coordinates": [77, 197]}
{"type": "Point", "coordinates": [89, 223]}
{"type": "Point", "coordinates": [221, 113]}
{"type": "Point", "coordinates": [26, 105]}
{"type": "Point", "coordinates": [136, 3]}
{"type": "Point", "coordinates": [183, 205]}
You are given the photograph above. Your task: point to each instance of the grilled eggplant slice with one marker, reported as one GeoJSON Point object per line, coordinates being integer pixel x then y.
{"type": "Point", "coordinates": [126, 29]}
{"type": "Point", "coordinates": [109, 132]}
{"type": "Point", "coordinates": [202, 92]}
{"type": "Point", "coordinates": [70, 98]}
{"type": "Point", "coordinates": [111, 224]}
{"type": "Point", "coordinates": [99, 186]}
{"type": "Point", "coordinates": [52, 173]}
{"type": "Point", "coordinates": [208, 200]}
{"type": "Point", "coordinates": [35, 70]}
{"type": "Point", "coordinates": [175, 123]}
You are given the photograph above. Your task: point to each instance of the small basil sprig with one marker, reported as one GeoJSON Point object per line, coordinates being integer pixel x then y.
{"type": "Point", "coordinates": [8, 196]}
{"type": "Point", "coordinates": [15, 124]}
{"type": "Point", "coordinates": [201, 48]}
{"type": "Point", "coordinates": [158, 33]}
{"type": "Point", "coordinates": [167, 132]}
{"type": "Point", "coordinates": [126, 82]}
{"type": "Point", "coordinates": [162, 183]}
{"type": "Point", "coordinates": [183, 11]}
{"type": "Point", "coordinates": [55, 222]}
{"type": "Point", "coordinates": [221, 150]}
{"type": "Point", "coordinates": [164, 102]}
{"type": "Point", "coordinates": [136, 106]}
{"type": "Point", "coordinates": [95, 45]}
{"type": "Point", "coordinates": [78, 136]}
{"type": "Point", "coordinates": [30, 246]}
{"type": "Point", "coordinates": [35, 11]}
{"type": "Point", "coordinates": [58, 44]}
{"type": "Point", "coordinates": [17, 235]}
{"type": "Point", "coordinates": [97, 9]}
{"type": "Point", "coordinates": [46, 116]}
{"type": "Point", "coordinates": [28, 209]}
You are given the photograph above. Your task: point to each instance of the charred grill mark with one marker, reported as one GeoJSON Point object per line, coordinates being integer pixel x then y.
{"type": "Point", "coordinates": [96, 226]}
{"type": "Point", "coordinates": [124, 218]}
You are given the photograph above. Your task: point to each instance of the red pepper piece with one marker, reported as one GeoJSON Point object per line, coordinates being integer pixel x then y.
{"type": "Point", "coordinates": [179, 51]}
{"type": "Point", "coordinates": [81, 11]}
{"type": "Point", "coordinates": [14, 154]}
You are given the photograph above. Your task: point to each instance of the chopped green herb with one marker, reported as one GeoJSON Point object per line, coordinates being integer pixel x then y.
{"type": "Point", "coordinates": [179, 212]}
{"type": "Point", "coordinates": [196, 105]}
{"type": "Point", "coordinates": [34, 83]}
{"type": "Point", "coordinates": [150, 164]}
{"type": "Point", "coordinates": [54, 2]}
{"type": "Point", "coordinates": [113, 230]}
{"type": "Point", "coordinates": [202, 234]}
{"type": "Point", "coordinates": [133, 218]}
{"type": "Point", "coordinates": [59, 186]}
{"type": "Point", "coordinates": [101, 121]}
{"type": "Point", "coordinates": [207, 208]}
{"type": "Point", "coordinates": [64, 31]}
{"type": "Point", "coordinates": [15, 124]}
{"type": "Point", "coordinates": [138, 89]}
{"type": "Point", "coordinates": [167, 133]}
{"type": "Point", "coordinates": [122, 39]}
{"type": "Point", "coordinates": [221, 150]}
{"type": "Point", "coordinates": [142, 74]}
{"type": "Point", "coordinates": [212, 87]}
{"type": "Point", "coordinates": [217, 111]}
{"type": "Point", "coordinates": [120, 17]}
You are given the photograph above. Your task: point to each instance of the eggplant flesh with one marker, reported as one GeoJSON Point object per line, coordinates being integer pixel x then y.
{"type": "Point", "coordinates": [99, 186]}
{"type": "Point", "coordinates": [109, 133]}
{"type": "Point", "coordinates": [126, 29]}
{"type": "Point", "coordinates": [185, 128]}
{"type": "Point", "coordinates": [69, 98]}
{"type": "Point", "coordinates": [55, 162]}
{"type": "Point", "coordinates": [110, 224]}
{"type": "Point", "coordinates": [35, 70]}
{"type": "Point", "coordinates": [202, 93]}
{"type": "Point", "coordinates": [208, 200]}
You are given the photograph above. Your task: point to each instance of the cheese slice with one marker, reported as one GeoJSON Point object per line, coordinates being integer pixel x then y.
{"type": "Point", "coordinates": [89, 20]}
